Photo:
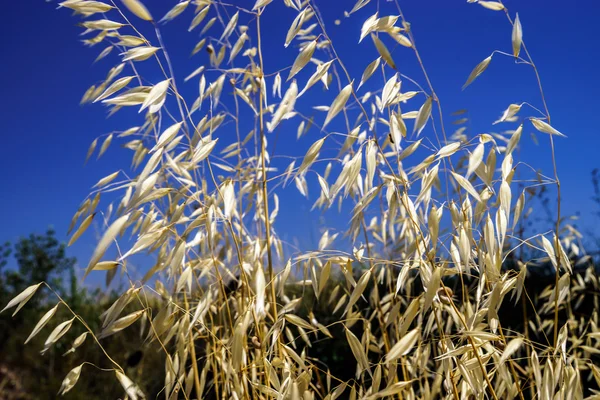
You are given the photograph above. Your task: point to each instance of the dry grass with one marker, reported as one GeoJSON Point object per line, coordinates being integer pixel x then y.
{"type": "Point", "coordinates": [429, 210]}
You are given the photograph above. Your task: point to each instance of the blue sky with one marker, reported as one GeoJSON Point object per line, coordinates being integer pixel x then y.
{"type": "Point", "coordinates": [45, 70]}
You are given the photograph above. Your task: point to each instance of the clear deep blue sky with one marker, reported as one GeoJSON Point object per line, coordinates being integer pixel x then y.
{"type": "Point", "coordinates": [44, 71]}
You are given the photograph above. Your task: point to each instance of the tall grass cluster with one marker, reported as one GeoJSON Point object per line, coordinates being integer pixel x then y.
{"type": "Point", "coordinates": [434, 245]}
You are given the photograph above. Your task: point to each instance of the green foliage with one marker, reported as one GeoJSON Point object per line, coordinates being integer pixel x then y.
{"type": "Point", "coordinates": [24, 373]}
{"type": "Point", "coordinates": [40, 258]}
